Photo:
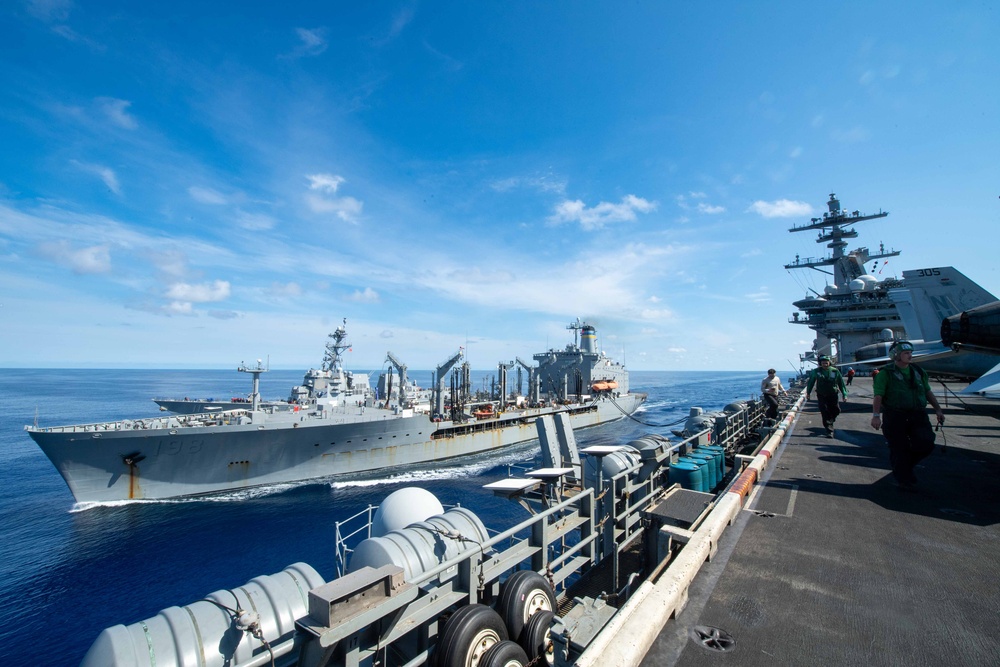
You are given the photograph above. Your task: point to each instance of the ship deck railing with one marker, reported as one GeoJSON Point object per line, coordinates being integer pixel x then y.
{"type": "Point", "coordinates": [579, 537]}
{"type": "Point", "coordinates": [149, 423]}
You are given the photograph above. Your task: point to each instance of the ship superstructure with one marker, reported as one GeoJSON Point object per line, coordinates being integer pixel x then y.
{"type": "Point", "coordinates": [854, 310]}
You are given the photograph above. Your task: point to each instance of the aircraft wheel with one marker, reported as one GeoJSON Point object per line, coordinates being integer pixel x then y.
{"type": "Point", "coordinates": [524, 593]}
{"type": "Point", "coordinates": [504, 654]}
{"type": "Point", "coordinates": [468, 634]}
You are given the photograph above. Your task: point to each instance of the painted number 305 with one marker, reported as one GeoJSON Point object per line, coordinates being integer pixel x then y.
{"type": "Point", "coordinates": [929, 272]}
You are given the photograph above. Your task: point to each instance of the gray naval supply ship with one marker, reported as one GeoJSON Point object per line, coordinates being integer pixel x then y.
{"type": "Point", "coordinates": [335, 425]}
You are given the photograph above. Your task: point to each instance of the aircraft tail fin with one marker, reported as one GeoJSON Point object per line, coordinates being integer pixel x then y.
{"type": "Point", "coordinates": [930, 295]}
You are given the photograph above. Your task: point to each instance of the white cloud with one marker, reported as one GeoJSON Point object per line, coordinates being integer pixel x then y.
{"type": "Point", "coordinates": [215, 291]}
{"type": "Point", "coordinates": [106, 174]}
{"type": "Point", "coordinates": [782, 208]}
{"type": "Point", "coordinates": [710, 209]}
{"type": "Point", "coordinates": [346, 208]}
{"type": "Point", "coordinates": [312, 42]}
{"type": "Point", "coordinates": [255, 222]}
{"type": "Point", "coordinates": [545, 183]}
{"type": "Point", "coordinates": [368, 295]}
{"type": "Point", "coordinates": [602, 214]}
{"type": "Point", "coordinates": [82, 261]}
{"type": "Point", "coordinates": [290, 289]}
{"type": "Point", "coordinates": [117, 111]}
{"type": "Point", "coordinates": [179, 308]}
{"type": "Point", "coordinates": [207, 195]}
{"type": "Point", "coordinates": [325, 182]}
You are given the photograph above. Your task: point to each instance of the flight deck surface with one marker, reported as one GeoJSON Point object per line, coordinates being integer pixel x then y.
{"type": "Point", "coordinates": [829, 563]}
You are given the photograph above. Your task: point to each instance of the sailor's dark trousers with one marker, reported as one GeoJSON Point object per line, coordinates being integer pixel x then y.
{"type": "Point", "coordinates": [829, 408]}
{"type": "Point", "coordinates": [772, 406]}
{"type": "Point", "coordinates": [910, 438]}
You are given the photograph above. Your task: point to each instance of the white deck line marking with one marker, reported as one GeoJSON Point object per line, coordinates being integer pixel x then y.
{"type": "Point", "coordinates": [793, 489]}
{"type": "Point", "coordinates": [791, 499]}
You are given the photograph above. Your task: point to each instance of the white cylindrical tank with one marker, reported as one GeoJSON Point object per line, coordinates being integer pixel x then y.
{"type": "Point", "coordinates": [422, 546]}
{"type": "Point", "coordinates": [205, 633]}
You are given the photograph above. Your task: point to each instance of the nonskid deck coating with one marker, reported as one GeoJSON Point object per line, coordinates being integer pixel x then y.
{"type": "Point", "coordinates": [830, 564]}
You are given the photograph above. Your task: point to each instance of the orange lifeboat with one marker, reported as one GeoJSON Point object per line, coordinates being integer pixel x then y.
{"type": "Point", "coordinates": [600, 386]}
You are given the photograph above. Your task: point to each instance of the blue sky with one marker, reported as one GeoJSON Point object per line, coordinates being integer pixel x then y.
{"type": "Point", "coordinates": [193, 184]}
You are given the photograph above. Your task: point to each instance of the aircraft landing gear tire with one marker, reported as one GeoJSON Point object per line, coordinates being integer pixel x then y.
{"type": "Point", "coordinates": [524, 593]}
{"type": "Point", "coordinates": [468, 634]}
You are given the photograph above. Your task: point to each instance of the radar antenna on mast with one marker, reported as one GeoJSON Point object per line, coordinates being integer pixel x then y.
{"type": "Point", "coordinates": [332, 360]}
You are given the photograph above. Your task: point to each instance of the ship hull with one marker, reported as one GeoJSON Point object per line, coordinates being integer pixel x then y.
{"type": "Point", "coordinates": [150, 462]}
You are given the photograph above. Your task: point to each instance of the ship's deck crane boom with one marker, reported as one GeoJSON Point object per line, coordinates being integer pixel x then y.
{"type": "Point", "coordinates": [439, 375]}
{"type": "Point", "coordinates": [401, 369]}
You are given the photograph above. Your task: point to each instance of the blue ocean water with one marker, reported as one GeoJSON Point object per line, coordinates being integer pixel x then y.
{"type": "Point", "coordinates": [66, 573]}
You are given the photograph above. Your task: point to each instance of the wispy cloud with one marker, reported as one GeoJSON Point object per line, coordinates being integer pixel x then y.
{"type": "Point", "coordinates": [781, 208]}
{"type": "Point", "coordinates": [367, 295]}
{"type": "Point", "coordinates": [596, 217]}
{"type": "Point", "coordinates": [325, 182]}
{"type": "Point", "coordinates": [544, 183]}
{"type": "Point", "coordinates": [207, 195]}
{"type": "Point", "coordinates": [701, 207]}
{"type": "Point", "coordinates": [312, 42]}
{"type": "Point", "coordinates": [88, 260]}
{"type": "Point", "coordinates": [117, 111]}
{"type": "Point", "coordinates": [106, 174]}
{"type": "Point", "coordinates": [345, 208]}
{"type": "Point", "coordinates": [218, 290]}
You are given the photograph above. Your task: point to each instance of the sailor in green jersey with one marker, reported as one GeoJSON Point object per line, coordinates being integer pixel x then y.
{"type": "Point", "coordinates": [828, 381]}
{"type": "Point", "coordinates": [899, 408]}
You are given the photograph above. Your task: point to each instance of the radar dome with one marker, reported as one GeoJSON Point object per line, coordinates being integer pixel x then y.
{"type": "Point", "coordinates": [857, 285]}
{"type": "Point", "coordinates": [830, 290]}
{"type": "Point", "coordinates": [885, 335]}
{"type": "Point", "coordinates": [404, 507]}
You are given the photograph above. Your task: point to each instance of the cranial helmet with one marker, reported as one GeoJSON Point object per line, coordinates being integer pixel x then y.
{"type": "Point", "coordinates": [824, 358]}
{"type": "Point", "coordinates": [899, 347]}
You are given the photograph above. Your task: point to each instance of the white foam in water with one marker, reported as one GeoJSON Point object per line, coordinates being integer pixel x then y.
{"type": "Point", "coordinates": [225, 497]}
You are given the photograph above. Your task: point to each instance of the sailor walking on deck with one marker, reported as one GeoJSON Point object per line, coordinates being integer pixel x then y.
{"type": "Point", "coordinates": [828, 381]}
{"type": "Point", "coordinates": [902, 392]}
{"type": "Point", "coordinates": [770, 387]}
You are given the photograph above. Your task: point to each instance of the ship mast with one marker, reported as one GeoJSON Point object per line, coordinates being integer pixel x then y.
{"type": "Point", "coordinates": [847, 267]}
{"type": "Point", "coordinates": [255, 392]}
{"type": "Point", "coordinates": [332, 360]}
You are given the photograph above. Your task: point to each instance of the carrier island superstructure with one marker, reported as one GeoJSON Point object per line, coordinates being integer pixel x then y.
{"type": "Point", "coordinates": [334, 425]}
{"type": "Point", "coordinates": [858, 315]}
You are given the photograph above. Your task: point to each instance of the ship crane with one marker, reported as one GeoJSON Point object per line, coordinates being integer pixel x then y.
{"type": "Point", "coordinates": [401, 369]}
{"type": "Point", "coordinates": [439, 375]}
{"type": "Point", "coordinates": [532, 380]}
{"type": "Point", "coordinates": [502, 370]}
